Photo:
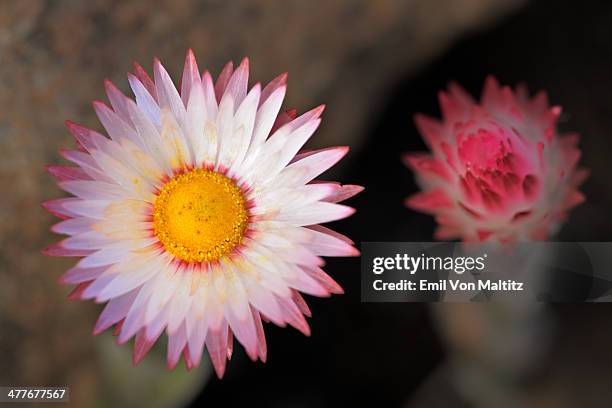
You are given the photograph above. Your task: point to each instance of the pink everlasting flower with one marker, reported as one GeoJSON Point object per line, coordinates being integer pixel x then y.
{"type": "Point", "coordinates": [198, 216]}
{"type": "Point", "coordinates": [497, 170]}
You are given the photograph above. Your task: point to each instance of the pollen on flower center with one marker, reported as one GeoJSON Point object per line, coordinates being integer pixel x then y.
{"type": "Point", "coordinates": [200, 216]}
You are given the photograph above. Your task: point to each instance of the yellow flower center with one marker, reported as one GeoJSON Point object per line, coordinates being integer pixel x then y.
{"type": "Point", "coordinates": [200, 216]}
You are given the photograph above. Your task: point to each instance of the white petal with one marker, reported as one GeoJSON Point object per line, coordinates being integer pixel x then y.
{"type": "Point", "coordinates": [174, 143]}
{"type": "Point", "coordinates": [266, 116]}
{"type": "Point", "coordinates": [197, 337]}
{"type": "Point", "coordinates": [212, 107]}
{"type": "Point", "coordinates": [130, 277]}
{"type": "Point", "coordinates": [307, 168]}
{"type": "Point", "coordinates": [190, 78]}
{"type": "Point", "coordinates": [294, 143]}
{"type": "Point", "coordinates": [180, 303]}
{"type": "Point", "coordinates": [316, 213]}
{"type": "Point", "coordinates": [244, 120]}
{"type": "Point", "coordinates": [87, 208]}
{"type": "Point", "coordinates": [149, 133]}
{"type": "Point", "coordinates": [73, 226]}
{"type": "Point", "coordinates": [113, 253]}
{"type": "Point", "coordinates": [87, 163]}
{"type": "Point", "coordinates": [145, 101]}
{"type": "Point", "coordinates": [225, 129]}
{"type": "Point", "coordinates": [223, 80]}
{"type": "Point", "coordinates": [117, 100]}
{"type": "Point", "coordinates": [237, 85]}
{"type": "Point", "coordinates": [167, 95]}
{"type": "Point", "coordinates": [116, 127]}
{"type": "Point", "coordinates": [176, 344]}
{"type": "Point", "coordinates": [125, 176]}
{"type": "Point", "coordinates": [196, 117]}
{"type": "Point", "coordinates": [165, 284]}
{"type": "Point", "coordinates": [95, 190]}
{"type": "Point", "coordinates": [263, 299]}
{"type": "Point", "coordinates": [87, 240]}
{"type": "Point", "coordinates": [115, 310]}
{"type": "Point", "coordinates": [306, 284]}
{"type": "Point", "coordinates": [274, 200]}
{"type": "Point", "coordinates": [76, 275]}
{"type": "Point", "coordinates": [211, 143]}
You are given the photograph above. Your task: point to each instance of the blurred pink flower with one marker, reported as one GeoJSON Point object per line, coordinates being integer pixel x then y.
{"type": "Point", "coordinates": [199, 217]}
{"type": "Point", "coordinates": [497, 170]}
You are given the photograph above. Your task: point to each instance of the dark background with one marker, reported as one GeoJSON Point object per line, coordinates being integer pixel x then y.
{"type": "Point", "coordinates": [363, 354]}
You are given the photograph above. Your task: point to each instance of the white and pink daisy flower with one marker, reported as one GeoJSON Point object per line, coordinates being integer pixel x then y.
{"type": "Point", "coordinates": [199, 216]}
{"type": "Point", "coordinates": [498, 170]}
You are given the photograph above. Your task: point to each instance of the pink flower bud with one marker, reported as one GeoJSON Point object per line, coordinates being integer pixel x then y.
{"type": "Point", "coordinates": [498, 170]}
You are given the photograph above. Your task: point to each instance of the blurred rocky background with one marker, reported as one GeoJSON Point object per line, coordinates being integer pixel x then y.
{"type": "Point", "coordinates": [374, 63]}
